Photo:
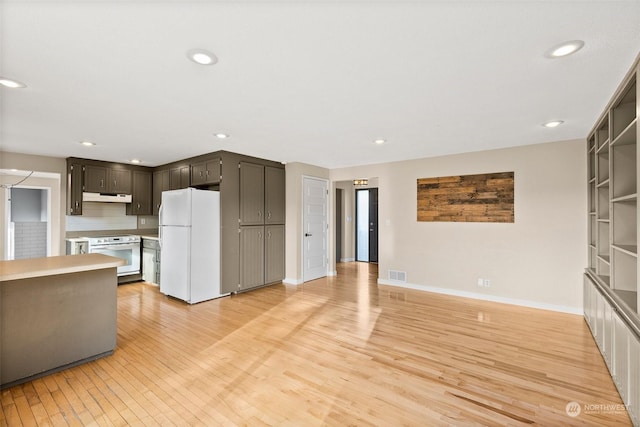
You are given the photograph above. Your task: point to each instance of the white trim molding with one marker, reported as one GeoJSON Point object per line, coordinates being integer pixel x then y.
{"type": "Point", "coordinates": [483, 297]}
{"type": "Point", "coordinates": [288, 281]}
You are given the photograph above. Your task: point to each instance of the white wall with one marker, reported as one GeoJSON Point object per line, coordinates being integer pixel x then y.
{"type": "Point", "coordinates": [538, 260]}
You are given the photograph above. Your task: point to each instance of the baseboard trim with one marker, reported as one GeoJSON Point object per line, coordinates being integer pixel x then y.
{"type": "Point", "coordinates": [288, 281]}
{"type": "Point", "coordinates": [347, 259]}
{"type": "Point", "coordinates": [492, 298]}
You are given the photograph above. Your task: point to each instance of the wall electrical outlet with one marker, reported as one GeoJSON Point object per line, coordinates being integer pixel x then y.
{"type": "Point", "coordinates": [480, 282]}
{"type": "Point", "coordinates": [487, 283]}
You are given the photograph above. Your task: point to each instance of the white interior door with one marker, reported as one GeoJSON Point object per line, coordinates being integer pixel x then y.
{"type": "Point", "coordinates": [314, 221]}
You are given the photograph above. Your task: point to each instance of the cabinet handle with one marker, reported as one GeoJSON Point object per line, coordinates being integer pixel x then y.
{"type": "Point", "coordinates": [138, 205]}
{"type": "Point", "coordinates": [308, 234]}
{"type": "Point", "coordinates": [115, 183]}
{"type": "Point", "coordinates": [207, 172]}
{"type": "Point", "coordinates": [269, 215]}
{"type": "Point", "coordinates": [77, 203]}
{"type": "Point", "coordinates": [102, 183]}
{"type": "Point", "coordinates": [200, 174]}
{"type": "Point", "coordinates": [268, 235]}
{"type": "Point", "coordinates": [259, 234]}
{"type": "Point", "coordinates": [260, 214]}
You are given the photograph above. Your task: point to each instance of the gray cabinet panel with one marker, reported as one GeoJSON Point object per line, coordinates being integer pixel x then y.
{"type": "Point", "coordinates": [160, 184]}
{"type": "Point", "coordinates": [274, 253]}
{"type": "Point", "coordinates": [251, 194]}
{"type": "Point", "coordinates": [74, 186]}
{"type": "Point", "coordinates": [101, 179]}
{"type": "Point", "coordinates": [205, 172]}
{"type": "Point", "coordinates": [274, 185]}
{"type": "Point", "coordinates": [251, 257]}
{"type": "Point", "coordinates": [95, 179]}
{"type": "Point", "coordinates": [119, 181]}
{"type": "Point", "coordinates": [179, 177]}
{"type": "Point", "coordinates": [141, 195]}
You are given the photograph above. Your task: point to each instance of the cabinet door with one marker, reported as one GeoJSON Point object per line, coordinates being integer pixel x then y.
{"type": "Point", "coordinates": [119, 181]}
{"type": "Point", "coordinates": [274, 189]}
{"type": "Point", "coordinates": [160, 184]}
{"type": "Point", "coordinates": [251, 194]}
{"type": "Point", "coordinates": [141, 196]}
{"type": "Point", "coordinates": [74, 189]}
{"type": "Point", "coordinates": [198, 173]}
{"type": "Point", "coordinates": [179, 178]}
{"type": "Point", "coordinates": [274, 253]}
{"type": "Point", "coordinates": [251, 257]}
{"type": "Point", "coordinates": [621, 356]}
{"type": "Point", "coordinates": [95, 179]}
{"type": "Point", "coordinates": [212, 170]}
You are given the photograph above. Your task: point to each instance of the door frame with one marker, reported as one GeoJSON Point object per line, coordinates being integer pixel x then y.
{"type": "Point", "coordinates": [303, 222]}
{"type": "Point", "coordinates": [368, 190]}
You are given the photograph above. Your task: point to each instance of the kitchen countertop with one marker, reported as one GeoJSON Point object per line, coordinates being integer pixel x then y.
{"type": "Point", "coordinates": [149, 237]}
{"type": "Point", "coordinates": [48, 266]}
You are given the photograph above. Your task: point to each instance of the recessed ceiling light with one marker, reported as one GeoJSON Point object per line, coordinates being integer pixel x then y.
{"type": "Point", "coordinates": [221, 135]}
{"type": "Point", "coordinates": [564, 49]}
{"type": "Point", "coordinates": [202, 57]}
{"type": "Point", "coordinates": [13, 84]}
{"type": "Point", "coordinates": [87, 143]}
{"type": "Point", "coordinates": [135, 161]}
{"type": "Point", "coordinates": [379, 141]}
{"type": "Point", "coordinates": [553, 123]}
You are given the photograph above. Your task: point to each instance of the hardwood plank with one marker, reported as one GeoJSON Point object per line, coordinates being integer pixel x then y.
{"type": "Point", "coordinates": [336, 351]}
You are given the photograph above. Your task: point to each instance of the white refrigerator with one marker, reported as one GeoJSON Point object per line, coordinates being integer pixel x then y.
{"type": "Point", "coordinates": [189, 238]}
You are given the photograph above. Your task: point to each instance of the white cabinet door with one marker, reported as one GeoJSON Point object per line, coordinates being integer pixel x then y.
{"type": "Point", "coordinates": [634, 379]}
{"type": "Point", "coordinates": [621, 356]}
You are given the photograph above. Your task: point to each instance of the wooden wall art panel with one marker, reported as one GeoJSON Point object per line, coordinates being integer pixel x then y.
{"type": "Point", "coordinates": [467, 198]}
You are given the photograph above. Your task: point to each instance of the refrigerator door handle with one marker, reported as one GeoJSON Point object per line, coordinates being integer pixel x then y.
{"type": "Point", "coordinates": [160, 227]}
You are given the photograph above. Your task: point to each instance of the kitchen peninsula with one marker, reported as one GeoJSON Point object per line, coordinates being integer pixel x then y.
{"type": "Point", "coordinates": [55, 312]}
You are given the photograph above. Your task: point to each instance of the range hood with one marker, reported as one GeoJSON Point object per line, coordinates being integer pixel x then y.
{"type": "Point", "coordinates": [106, 198]}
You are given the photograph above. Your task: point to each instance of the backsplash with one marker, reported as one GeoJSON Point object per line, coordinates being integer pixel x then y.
{"type": "Point", "coordinates": [102, 216]}
{"type": "Point", "coordinates": [108, 217]}
{"type": "Point", "coordinates": [30, 239]}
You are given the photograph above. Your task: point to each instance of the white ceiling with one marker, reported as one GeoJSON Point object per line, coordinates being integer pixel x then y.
{"type": "Point", "coordinates": [305, 81]}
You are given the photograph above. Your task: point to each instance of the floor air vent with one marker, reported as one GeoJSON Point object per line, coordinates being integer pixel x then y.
{"type": "Point", "coordinates": [398, 276]}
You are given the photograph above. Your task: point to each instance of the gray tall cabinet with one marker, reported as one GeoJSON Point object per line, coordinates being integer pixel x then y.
{"type": "Point", "coordinates": [261, 224]}
{"type": "Point", "coordinates": [252, 220]}
{"type": "Point", "coordinates": [611, 285]}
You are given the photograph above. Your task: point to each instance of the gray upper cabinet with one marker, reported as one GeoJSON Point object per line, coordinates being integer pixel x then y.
{"type": "Point", "coordinates": [95, 179]}
{"type": "Point", "coordinates": [274, 195]}
{"type": "Point", "coordinates": [141, 196]}
{"type": "Point", "coordinates": [179, 177]}
{"type": "Point", "coordinates": [102, 179]}
{"type": "Point", "coordinates": [160, 184]}
{"type": "Point", "coordinates": [251, 194]}
{"type": "Point", "coordinates": [74, 186]}
{"type": "Point", "coordinates": [206, 172]}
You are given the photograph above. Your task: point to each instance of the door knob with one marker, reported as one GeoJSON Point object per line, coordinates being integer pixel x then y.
{"type": "Point", "coordinates": [307, 234]}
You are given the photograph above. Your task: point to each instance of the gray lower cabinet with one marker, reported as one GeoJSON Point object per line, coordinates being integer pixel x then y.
{"type": "Point", "coordinates": [261, 255]}
{"type": "Point", "coordinates": [274, 253]}
{"type": "Point", "coordinates": [151, 261]}
{"type": "Point", "coordinates": [251, 257]}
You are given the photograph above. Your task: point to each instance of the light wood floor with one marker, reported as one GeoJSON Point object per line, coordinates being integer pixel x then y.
{"type": "Point", "coordinates": [335, 351]}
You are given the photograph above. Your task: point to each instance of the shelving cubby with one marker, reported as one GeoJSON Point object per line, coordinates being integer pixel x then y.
{"type": "Point", "coordinates": [612, 297]}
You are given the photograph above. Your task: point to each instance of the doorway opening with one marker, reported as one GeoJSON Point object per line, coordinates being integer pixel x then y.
{"type": "Point", "coordinates": [367, 225]}
{"type": "Point", "coordinates": [29, 219]}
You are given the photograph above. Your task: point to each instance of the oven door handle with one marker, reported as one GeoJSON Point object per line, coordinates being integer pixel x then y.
{"type": "Point", "coordinates": [116, 247]}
